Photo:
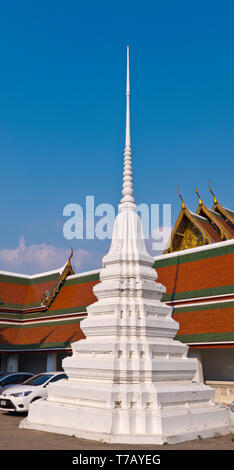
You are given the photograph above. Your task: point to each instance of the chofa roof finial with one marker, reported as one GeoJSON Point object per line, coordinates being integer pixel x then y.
{"type": "Point", "coordinates": [215, 200]}
{"type": "Point", "coordinates": [71, 255]}
{"type": "Point", "coordinates": [199, 198]}
{"type": "Point", "coordinates": [183, 203]}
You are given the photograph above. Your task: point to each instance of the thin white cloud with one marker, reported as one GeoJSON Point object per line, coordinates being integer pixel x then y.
{"type": "Point", "coordinates": [33, 259]}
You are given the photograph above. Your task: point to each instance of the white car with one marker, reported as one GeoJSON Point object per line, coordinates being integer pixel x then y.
{"type": "Point", "coordinates": [17, 398]}
{"type": "Point", "coordinates": [13, 378]}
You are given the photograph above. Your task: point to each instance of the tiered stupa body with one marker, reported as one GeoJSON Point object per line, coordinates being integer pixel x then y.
{"type": "Point", "coordinates": [129, 380]}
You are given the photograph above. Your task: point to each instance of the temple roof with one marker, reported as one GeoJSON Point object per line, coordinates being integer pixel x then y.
{"type": "Point", "coordinates": [201, 272]}
{"type": "Point", "coordinates": [208, 323]}
{"type": "Point", "coordinates": [199, 283]}
{"type": "Point", "coordinates": [40, 336]}
{"type": "Point", "coordinates": [21, 293]}
{"type": "Point", "coordinates": [40, 328]}
{"type": "Point", "coordinates": [200, 287]}
{"type": "Point", "coordinates": [201, 228]}
{"type": "Point", "coordinates": [227, 214]}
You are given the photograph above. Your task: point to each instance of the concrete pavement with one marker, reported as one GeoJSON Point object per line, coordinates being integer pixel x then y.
{"type": "Point", "coordinates": [13, 438]}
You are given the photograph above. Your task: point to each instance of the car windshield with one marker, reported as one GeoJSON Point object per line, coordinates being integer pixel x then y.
{"type": "Point", "coordinates": [39, 379]}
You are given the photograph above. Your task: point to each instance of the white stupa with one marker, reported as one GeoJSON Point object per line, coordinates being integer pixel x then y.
{"type": "Point", "coordinates": [129, 380]}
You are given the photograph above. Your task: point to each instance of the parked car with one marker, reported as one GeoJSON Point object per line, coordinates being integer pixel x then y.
{"type": "Point", "coordinates": [7, 380]}
{"type": "Point", "coordinates": [19, 397]}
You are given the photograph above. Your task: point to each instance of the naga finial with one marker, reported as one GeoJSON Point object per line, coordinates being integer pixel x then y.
{"type": "Point", "coordinates": [183, 203]}
{"type": "Point", "coordinates": [215, 200]}
{"type": "Point", "coordinates": [199, 198]}
{"type": "Point", "coordinates": [71, 255]}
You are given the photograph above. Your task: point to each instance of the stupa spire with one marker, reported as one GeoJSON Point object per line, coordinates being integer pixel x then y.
{"type": "Point", "coordinates": [127, 190]}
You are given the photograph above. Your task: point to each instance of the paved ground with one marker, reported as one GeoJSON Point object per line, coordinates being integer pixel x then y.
{"type": "Point", "coordinates": [13, 438]}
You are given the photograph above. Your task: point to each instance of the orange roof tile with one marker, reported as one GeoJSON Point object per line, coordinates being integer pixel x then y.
{"type": "Point", "coordinates": [196, 275]}
{"type": "Point", "coordinates": [75, 295]}
{"type": "Point", "coordinates": [216, 320]}
{"type": "Point", "coordinates": [41, 335]}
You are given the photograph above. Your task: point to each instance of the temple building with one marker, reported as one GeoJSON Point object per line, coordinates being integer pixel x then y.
{"type": "Point", "coordinates": [40, 315]}
{"type": "Point", "coordinates": [201, 228]}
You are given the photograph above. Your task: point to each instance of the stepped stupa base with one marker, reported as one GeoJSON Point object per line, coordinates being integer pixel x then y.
{"type": "Point", "coordinates": [184, 413]}
{"type": "Point", "coordinates": [140, 439]}
{"type": "Point", "coordinates": [73, 415]}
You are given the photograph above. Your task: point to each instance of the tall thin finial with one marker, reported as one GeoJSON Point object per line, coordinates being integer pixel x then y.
{"type": "Point", "coordinates": [214, 198]}
{"type": "Point", "coordinates": [127, 190]}
{"type": "Point", "coordinates": [127, 136]}
{"type": "Point", "coordinates": [183, 203]}
{"type": "Point", "coordinates": [199, 197]}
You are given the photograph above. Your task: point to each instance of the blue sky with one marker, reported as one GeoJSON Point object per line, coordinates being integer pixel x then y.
{"type": "Point", "coordinates": [62, 111]}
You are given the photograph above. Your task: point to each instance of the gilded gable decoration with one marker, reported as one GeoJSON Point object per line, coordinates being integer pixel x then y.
{"type": "Point", "coordinates": [201, 228]}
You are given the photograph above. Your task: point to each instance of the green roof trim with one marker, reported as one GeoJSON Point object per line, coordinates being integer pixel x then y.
{"type": "Point", "coordinates": [40, 324]}
{"type": "Point", "coordinates": [35, 346]}
{"type": "Point", "coordinates": [47, 313]}
{"type": "Point", "coordinates": [82, 279]}
{"type": "Point", "coordinates": [17, 279]}
{"type": "Point", "coordinates": [43, 313]}
{"type": "Point", "coordinates": [205, 306]}
{"type": "Point", "coordinates": [206, 337]}
{"type": "Point", "coordinates": [46, 278]}
{"type": "Point", "coordinates": [28, 281]}
{"type": "Point", "coordinates": [212, 291]}
{"type": "Point", "coordinates": [195, 256]}
{"type": "Point", "coordinates": [20, 306]}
